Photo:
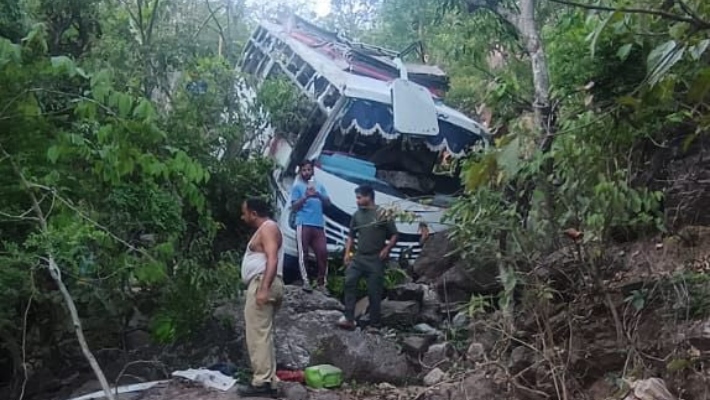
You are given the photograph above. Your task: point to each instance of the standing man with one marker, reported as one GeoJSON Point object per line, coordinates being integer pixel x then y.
{"type": "Point", "coordinates": [376, 236]}
{"type": "Point", "coordinates": [262, 272]}
{"type": "Point", "coordinates": [308, 198]}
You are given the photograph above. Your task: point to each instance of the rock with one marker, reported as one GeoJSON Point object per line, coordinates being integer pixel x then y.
{"type": "Point", "coordinates": [407, 292]}
{"type": "Point", "coordinates": [306, 334]}
{"type": "Point", "coordinates": [427, 329]}
{"type": "Point", "coordinates": [480, 332]}
{"type": "Point", "coordinates": [454, 279]}
{"type": "Point", "coordinates": [294, 391]}
{"type": "Point", "coordinates": [434, 376]}
{"type": "Point", "coordinates": [439, 355]}
{"type": "Point", "coordinates": [363, 357]}
{"type": "Point", "coordinates": [699, 336]}
{"type": "Point", "coordinates": [325, 395]}
{"type": "Point", "coordinates": [435, 257]}
{"type": "Point", "coordinates": [462, 280]}
{"type": "Point", "coordinates": [416, 345]}
{"type": "Point", "coordinates": [431, 307]}
{"type": "Point", "coordinates": [650, 389]}
{"type": "Point", "coordinates": [460, 320]}
{"type": "Point", "coordinates": [476, 352]}
{"type": "Point", "coordinates": [475, 386]}
{"type": "Point", "coordinates": [520, 358]}
{"type": "Point", "coordinates": [399, 313]}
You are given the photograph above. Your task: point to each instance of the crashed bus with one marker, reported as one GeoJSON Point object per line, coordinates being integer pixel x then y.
{"type": "Point", "coordinates": [374, 120]}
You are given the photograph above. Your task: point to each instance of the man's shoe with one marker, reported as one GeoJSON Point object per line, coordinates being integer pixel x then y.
{"type": "Point", "coordinates": [346, 324]}
{"type": "Point", "coordinates": [265, 390]}
{"type": "Point", "coordinates": [307, 287]}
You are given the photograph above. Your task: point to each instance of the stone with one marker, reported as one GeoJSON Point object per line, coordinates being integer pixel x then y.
{"type": "Point", "coordinates": [407, 292]}
{"type": "Point", "coordinates": [460, 320]}
{"type": "Point", "coordinates": [439, 355]}
{"type": "Point", "coordinates": [399, 314]}
{"type": "Point", "coordinates": [462, 280]}
{"type": "Point", "coordinates": [416, 345]}
{"type": "Point", "coordinates": [294, 391]}
{"type": "Point", "coordinates": [431, 307]}
{"type": "Point", "coordinates": [520, 358]}
{"type": "Point", "coordinates": [650, 389]}
{"type": "Point", "coordinates": [435, 258]}
{"type": "Point", "coordinates": [427, 329]}
{"type": "Point", "coordinates": [476, 352]}
{"type": "Point", "coordinates": [699, 336]}
{"type": "Point", "coordinates": [363, 357]}
{"type": "Point", "coordinates": [474, 386]}
{"type": "Point", "coordinates": [434, 376]}
{"type": "Point", "coordinates": [306, 334]}
{"type": "Point", "coordinates": [325, 395]}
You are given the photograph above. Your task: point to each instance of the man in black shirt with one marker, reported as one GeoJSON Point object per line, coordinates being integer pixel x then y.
{"type": "Point", "coordinates": [376, 236]}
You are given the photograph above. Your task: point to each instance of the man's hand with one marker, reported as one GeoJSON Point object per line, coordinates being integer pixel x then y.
{"type": "Point", "coordinates": [347, 259]}
{"type": "Point", "coordinates": [262, 296]}
{"type": "Point", "coordinates": [385, 253]}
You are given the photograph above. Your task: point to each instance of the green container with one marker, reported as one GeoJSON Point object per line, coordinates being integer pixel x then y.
{"type": "Point", "coordinates": [323, 376]}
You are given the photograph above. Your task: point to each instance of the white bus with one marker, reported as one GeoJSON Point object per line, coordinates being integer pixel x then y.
{"type": "Point", "coordinates": [374, 120]}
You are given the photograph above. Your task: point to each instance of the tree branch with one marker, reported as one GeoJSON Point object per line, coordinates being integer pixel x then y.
{"type": "Point", "coordinates": [56, 275]}
{"type": "Point", "coordinates": [692, 20]}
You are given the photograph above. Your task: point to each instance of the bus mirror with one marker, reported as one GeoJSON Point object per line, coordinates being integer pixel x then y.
{"type": "Point", "coordinates": [413, 108]}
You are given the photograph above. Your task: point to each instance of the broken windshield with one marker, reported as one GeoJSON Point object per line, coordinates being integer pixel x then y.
{"type": "Point", "coordinates": [363, 147]}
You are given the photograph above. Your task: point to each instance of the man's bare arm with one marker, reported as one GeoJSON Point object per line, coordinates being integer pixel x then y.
{"type": "Point", "coordinates": [348, 245]}
{"type": "Point", "coordinates": [391, 242]}
{"type": "Point", "coordinates": [270, 238]}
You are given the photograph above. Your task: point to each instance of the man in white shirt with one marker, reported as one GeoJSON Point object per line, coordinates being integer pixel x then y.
{"type": "Point", "coordinates": [262, 272]}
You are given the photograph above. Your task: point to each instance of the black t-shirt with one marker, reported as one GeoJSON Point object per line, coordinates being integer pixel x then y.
{"type": "Point", "coordinates": [371, 229]}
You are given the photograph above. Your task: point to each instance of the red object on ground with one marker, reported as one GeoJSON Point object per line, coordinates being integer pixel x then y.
{"type": "Point", "coordinates": [291, 376]}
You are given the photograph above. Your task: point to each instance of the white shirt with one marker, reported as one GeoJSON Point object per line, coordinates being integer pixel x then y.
{"type": "Point", "coordinates": [254, 262]}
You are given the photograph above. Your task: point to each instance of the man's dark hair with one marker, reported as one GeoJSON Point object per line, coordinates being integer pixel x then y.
{"type": "Point", "coordinates": [365, 190]}
{"type": "Point", "coordinates": [260, 206]}
{"type": "Point", "coordinates": [306, 162]}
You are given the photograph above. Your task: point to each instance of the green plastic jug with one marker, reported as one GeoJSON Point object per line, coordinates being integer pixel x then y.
{"type": "Point", "coordinates": [323, 376]}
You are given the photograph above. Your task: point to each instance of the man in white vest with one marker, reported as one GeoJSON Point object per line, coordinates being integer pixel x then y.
{"type": "Point", "coordinates": [262, 272]}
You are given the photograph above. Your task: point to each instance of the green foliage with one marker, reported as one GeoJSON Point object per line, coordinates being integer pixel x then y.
{"type": "Point", "coordinates": [140, 194]}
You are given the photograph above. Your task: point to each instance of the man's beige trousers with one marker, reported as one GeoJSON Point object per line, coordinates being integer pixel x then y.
{"type": "Point", "coordinates": [260, 331]}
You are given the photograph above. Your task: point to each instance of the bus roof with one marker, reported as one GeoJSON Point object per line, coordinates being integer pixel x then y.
{"type": "Point", "coordinates": [358, 86]}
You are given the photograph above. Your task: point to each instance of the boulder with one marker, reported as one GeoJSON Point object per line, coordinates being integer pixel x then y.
{"type": "Point", "coordinates": [462, 280]}
{"type": "Point", "coordinates": [294, 391]}
{"type": "Point", "coordinates": [435, 257]}
{"type": "Point", "coordinates": [438, 356]}
{"type": "Point", "coordinates": [306, 334]}
{"type": "Point", "coordinates": [363, 357]}
{"type": "Point", "coordinates": [416, 345]}
{"type": "Point", "coordinates": [476, 352]}
{"type": "Point", "coordinates": [407, 292]}
{"type": "Point", "coordinates": [475, 386]}
{"type": "Point", "coordinates": [399, 313]}
{"type": "Point", "coordinates": [699, 336]}
{"type": "Point", "coordinates": [434, 376]}
{"type": "Point", "coordinates": [431, 307]}
{"type": "Point", "coordinates": [454, 279]}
